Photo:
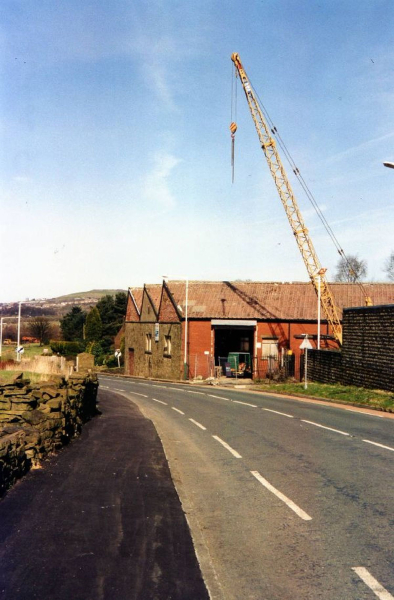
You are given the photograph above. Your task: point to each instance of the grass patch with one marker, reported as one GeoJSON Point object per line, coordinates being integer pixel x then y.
{"type": "Point", "coordinates": [30, 350]}
{"type": "Point", "coordinates": [342, 393]}
{"type": "Point", "coordinates": [9, 376]}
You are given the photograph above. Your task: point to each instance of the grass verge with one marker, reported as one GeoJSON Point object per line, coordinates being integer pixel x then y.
{"type": "Point", "coordinates": [9, 376]}
{"type": "Point", "coordinates": [337, 393]}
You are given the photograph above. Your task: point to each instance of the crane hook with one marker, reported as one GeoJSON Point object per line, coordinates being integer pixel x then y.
{"type": "Point", "coordinates": [233, 129]}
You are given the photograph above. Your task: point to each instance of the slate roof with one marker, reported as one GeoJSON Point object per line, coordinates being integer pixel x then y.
{"type": "Point", "coordinates": [262, 300]}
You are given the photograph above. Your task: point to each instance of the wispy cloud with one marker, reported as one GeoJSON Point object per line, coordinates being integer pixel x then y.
{"type": "Point", "coordinates": [359, 148]}
{"type": "Point", "coordinates": [156, 188]}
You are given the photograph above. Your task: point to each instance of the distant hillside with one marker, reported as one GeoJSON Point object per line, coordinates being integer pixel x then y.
{"type": "Point", "coordinates": [57, 307]}
{"type": "Point", "coordinates": [93, 294]}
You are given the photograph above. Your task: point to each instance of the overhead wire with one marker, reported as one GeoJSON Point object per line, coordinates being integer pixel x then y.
{"type": "Point", "coordinates": [305, 187]}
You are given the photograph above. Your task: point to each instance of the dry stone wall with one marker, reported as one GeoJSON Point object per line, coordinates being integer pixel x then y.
{"type": "Point", "coordinates": [38, 419]}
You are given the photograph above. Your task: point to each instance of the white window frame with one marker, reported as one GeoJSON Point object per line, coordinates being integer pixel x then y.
{"type": "Point", "coordinates": [148, 342]}
{"type": "Point", "coordinates": [167, 345]}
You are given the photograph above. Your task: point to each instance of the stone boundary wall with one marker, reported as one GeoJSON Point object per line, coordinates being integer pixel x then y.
{"type": "Point", "coordinates": [368, 347]}
{"type": "Point", "coordinates": [48, 365]}
{"type": "Point", "coordinates": [38, 419]}
{"type": "Point", "coordinates": [325, 366]}
{"type": "Point", "coordinates": [367, 355]}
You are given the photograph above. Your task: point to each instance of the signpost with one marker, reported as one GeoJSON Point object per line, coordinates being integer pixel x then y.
{"type": "Point", "coordinates": [306, 345]}
{"type": "Point", "coordinates": [118, 354]}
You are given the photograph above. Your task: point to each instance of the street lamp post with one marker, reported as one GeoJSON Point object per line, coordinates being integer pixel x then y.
{"type": "Point", "coordinates": [18, 344]}
{"type": "Point", "coordinates": [185, 373]}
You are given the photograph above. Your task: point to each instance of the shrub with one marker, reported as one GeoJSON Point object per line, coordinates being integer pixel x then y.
{"type": "Point", "coordinates": [67, 348]}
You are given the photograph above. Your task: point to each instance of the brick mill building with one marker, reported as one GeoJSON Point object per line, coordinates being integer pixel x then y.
{"type": "Point", "coordinates": [261, 318]}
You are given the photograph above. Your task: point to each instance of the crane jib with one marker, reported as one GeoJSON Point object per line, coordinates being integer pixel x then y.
{"type": "Point", "coordinates": [311, 261]}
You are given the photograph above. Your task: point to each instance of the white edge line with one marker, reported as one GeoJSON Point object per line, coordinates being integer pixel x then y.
{"type": "Point", "coordinates": [245, 403]}
{"type": "Point", "coordinates": [281, 496]}
{"type": "Point", "coordinates": [372, 583]}
{"type": "Point", "coordinates": [198, 424]}
{"type": "Point", "coordinates": [324, 427]}
{"type": "Point", "coordinates": [379, 445]}
{"type": "Point", "coordinates": [233, 452]}
{"type": "Point", "coordinates": [279, 413]}
{"type": "Point", "coordinates": [159, 401]}
{"type": "Point", "coordinates": [219, 397]}
{"type": "Point", "coordinates": [177, 410]}
{"type": "Point", "coordinates": [136, 394]}
{"type": "Point", "coordinates": [364, 414]}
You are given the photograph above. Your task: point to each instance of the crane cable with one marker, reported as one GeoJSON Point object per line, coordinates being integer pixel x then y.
{"type": "Point", "coordinates": [306, 189]}
{"type": "Point", "coordinates": [233, 125]}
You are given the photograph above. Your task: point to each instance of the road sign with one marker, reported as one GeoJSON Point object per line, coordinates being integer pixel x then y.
{"type": "Point", "coordinates": [306, 345]}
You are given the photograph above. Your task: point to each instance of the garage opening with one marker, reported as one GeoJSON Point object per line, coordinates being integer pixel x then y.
{"type": "Point", "coordinates": [234, 337]}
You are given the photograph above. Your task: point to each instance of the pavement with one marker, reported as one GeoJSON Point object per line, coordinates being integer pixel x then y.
{"type": "Point", "coordinates": [101, 520]}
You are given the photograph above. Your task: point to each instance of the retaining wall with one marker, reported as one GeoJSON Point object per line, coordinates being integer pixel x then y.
{"type": "Point", "coordinates": [367, 355]}
{"type": "Point", "coordinates": [38, 419]}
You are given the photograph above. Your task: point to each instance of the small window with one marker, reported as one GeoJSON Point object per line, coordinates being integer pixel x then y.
{"type": "Point", "coordinates": [244, 346]}
{"type": "Point", "coordinates": [167, 345]}
{"type": "Point", "coordinates": [148, 342]}
{"type": "Point", "coordinates": [269, 349]}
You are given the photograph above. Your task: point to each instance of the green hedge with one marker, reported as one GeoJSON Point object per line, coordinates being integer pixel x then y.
{"type": "Point", "coordinates": [67, 348]}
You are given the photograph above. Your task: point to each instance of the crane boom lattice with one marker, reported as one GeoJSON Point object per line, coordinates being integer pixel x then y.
{"type": "Point", "coordinates": [315, 271]}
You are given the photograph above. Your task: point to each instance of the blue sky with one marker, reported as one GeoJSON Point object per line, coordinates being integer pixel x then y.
{"type": "Point", "coordinates": [115, 144]}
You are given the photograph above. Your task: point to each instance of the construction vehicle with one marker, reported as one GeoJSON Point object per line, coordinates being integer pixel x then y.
{"type": "Point", "coordinates": [315, 271]}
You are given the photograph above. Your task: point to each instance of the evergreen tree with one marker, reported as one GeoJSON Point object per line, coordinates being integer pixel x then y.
{"type": "Point", "coordinates": [94, 326]}
{"type": "Point", "coordinates": [112, 312]}
{"type": "Point", "coordinates": [72, 324]}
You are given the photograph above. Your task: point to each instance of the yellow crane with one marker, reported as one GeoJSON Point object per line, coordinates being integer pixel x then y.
{"type": "Point", "coordinates": [304, 242]}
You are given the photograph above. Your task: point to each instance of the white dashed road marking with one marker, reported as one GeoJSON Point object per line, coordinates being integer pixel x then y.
{"type": "Point", "coordinates": [160, 401]}
{"type": "Point", "coordinates": [198, 424]}
{"type": "Point", "coordinates": [193, 392]}
{"type": "Point", "coordinates": [379, 445]}
{"type": "Point", "coordinates": [281, 496]}
{"type": "Point", "coordinates": [371, 582]}
{"type": "Point", "coordinates": [279, 413]}
{"type": "Point", "coordinates": [324, 427]}
{"type": "Point", "coordinates": [219, 397]}
{"type": "Point", "coordinates": [245, 403]}
{"type": "Point", "coordinates": [177, 410]}
{"type": "Point", "coordinates": [233, 452]}
{"type": "Point", "coordinates": [136, 394]}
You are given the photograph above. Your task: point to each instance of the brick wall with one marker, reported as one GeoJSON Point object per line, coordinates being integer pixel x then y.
{"type": "Point", "coordinates": [200, 340]}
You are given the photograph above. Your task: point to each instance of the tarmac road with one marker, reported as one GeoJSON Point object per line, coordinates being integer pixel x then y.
{"type": "Point", "coordinates": [286, 499]}
{"type": "Point", "coordinates": [100, 521]}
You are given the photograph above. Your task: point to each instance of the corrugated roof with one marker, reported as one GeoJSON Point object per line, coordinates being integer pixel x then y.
{"type": "Point", "coordinates": [269, 300]}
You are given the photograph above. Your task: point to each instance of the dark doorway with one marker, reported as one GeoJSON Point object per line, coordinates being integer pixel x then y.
{"type": "Point", "coordinates": [232, 339]}
{"type": "Point", "coordinates": [131, 361]}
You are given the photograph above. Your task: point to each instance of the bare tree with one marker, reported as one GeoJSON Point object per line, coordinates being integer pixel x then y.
{"type": "Point", "coordinates": [40, 328]}
{"type": "Point", "coordinates": [389, 267]}
{"type": "Point", "coordinates": [351, 269]}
